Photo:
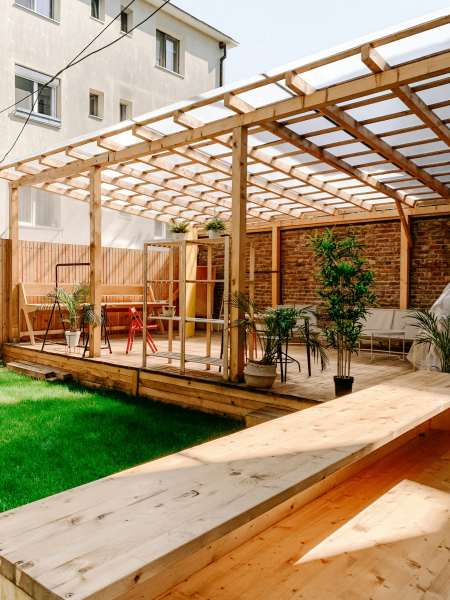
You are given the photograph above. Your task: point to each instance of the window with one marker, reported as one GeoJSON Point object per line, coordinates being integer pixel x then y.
{"type": "Point", "coordinates": [124, 110]}
{"type": "Point", "coordinates": [124, 22]}
{"type": "Point", "coordinates": [159, 230]}
{"type": "Point", "coordinates": [96, 104]}
{"type": "Point", "coordinates": [36, 92]}
{"type": "Point", "coordinates": [98, 9]}
{"type": "Point", "coordinates": [42, 7]}
{"type": "Point", "coordinates": [167, 52]}
{"type": "Point", "coordinates": [38, 208]}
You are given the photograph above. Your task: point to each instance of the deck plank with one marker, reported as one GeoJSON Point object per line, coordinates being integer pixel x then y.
{"type": "Point", "coordinates": [106, 538]}
{"type": "Point", "coordinates": [383, 534]}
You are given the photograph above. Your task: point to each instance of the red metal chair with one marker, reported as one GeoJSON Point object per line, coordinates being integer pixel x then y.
{"type": "Point", "coordinates": [136, 324]}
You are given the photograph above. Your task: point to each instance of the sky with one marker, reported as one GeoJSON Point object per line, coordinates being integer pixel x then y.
{"type": "Point", "coordinates": [272, 33]}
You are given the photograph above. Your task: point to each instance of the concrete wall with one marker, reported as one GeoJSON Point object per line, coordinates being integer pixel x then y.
{"type": "Point", "coordinates": [126, 71]}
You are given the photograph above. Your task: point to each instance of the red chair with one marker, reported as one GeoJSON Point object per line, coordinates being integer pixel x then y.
{"type": "Point", "coordinates": [136, 324]}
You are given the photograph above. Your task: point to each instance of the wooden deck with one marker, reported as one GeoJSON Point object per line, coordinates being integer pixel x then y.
{"type": "Point", "coordinates": [140, 532]}
{"type": "Point", "coordinates": [319, 387]}
{"type": "Point", "coordinates": [382, 534]}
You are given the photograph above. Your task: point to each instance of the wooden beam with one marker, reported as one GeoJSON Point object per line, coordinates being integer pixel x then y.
{"type": "Point", "coordinates": [376, 63]}
{"type": "Point", "coordinates": [323, 155]}
{"type": "Point", "coordinates": [256, 180]}
{"type": "Point", "coordinates": [363, 134]}
{"type": "Point", "coordinates": [191, 275]}
{"type": "Point", "coordinates": [414, 71]}
{"type": "Point", "coordinates": [293, 171]}
{"type": "Point", "coordinates": [95, 256]}
{"type": "Point", "coordinates": [238, 242]}
{"type": "Point", "coordinates": [13, 266]}
{"type": "Point", "coordinates": [276, 265]}
{"type": "Point", "coordinates": [405, 262]}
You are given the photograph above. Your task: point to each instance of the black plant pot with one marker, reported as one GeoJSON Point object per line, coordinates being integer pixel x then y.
{"type": "Point", "coordinates": [342, 386]}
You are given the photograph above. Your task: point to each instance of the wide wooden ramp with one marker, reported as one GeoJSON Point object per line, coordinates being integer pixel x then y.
{"type": "Point", "coordinates": [138, 533]}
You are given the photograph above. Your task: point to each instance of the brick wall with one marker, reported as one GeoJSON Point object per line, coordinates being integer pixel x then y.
{"type": "Point", "coordinates": [382, 249]}
{"type": "Point", "coordinates": [430, 260]}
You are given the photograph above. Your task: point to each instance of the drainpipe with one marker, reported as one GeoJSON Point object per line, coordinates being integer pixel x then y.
{"type": "Point", "coordinates": [222, 46]}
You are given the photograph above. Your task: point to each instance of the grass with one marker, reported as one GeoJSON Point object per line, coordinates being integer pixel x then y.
{"type": "Point", "coordinates": [55, 436]}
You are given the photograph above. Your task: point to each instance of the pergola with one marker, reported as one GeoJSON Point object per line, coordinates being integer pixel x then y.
{"type": "Point", "coordinates": [359, 135]}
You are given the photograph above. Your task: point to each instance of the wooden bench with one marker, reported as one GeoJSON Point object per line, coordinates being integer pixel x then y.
{"type": "Point", "coordinates": [117, 298]}
{"type": "Point", "coordinates": [138, 533]}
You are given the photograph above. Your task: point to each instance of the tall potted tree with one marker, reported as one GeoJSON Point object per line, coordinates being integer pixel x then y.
{"type": "Point", "coordinates": [345, 289]}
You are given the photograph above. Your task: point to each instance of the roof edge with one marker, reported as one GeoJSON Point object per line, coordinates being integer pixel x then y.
{"type": "Point", "coordinates": [189, 19]}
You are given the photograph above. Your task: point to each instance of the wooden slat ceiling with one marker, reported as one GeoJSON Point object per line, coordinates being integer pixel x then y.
{"type": "Point", "coordinates": [363, 130]}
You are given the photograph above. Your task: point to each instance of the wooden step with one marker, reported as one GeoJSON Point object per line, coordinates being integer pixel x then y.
{"type": "Point", "coordinates": [265, 413]}
{"type": "Point", "coordinates": [38, 371]}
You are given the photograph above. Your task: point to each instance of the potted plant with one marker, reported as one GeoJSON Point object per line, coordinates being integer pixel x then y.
{"type": "Point", "coordinates": [215, 227]}
{"type": "Point", "coordinates": [179, 229]}
{"type": "Point", "coordinates": [271, 328]}
{"type": "Point", "coordinates": [346, 291]}
{"type": "Point", "coordinates": [435, 334]}
{"type": "Point", "coordinates": [168, 311]}
{"type": "Point", "coordinates": [75, 304]}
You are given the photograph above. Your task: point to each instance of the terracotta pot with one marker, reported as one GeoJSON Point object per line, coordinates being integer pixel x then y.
{"type": "Point", "coordinates": [260, 376]}
{"type": "Point", "coordinates": [72, 338]}
{"type": "Point", "coordinates": [342, 386]}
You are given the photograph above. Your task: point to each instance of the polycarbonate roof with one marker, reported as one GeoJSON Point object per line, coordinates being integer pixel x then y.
{"type": "Point", "coordinates": [363, 128]}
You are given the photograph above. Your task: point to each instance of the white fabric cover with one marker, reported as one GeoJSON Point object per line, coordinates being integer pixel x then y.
{"type": "Point", "coordinates": [419, 355]}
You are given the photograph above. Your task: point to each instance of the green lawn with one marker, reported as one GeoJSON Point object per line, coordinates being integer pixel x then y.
{"type": "Point", "coordinates": [55, 436]}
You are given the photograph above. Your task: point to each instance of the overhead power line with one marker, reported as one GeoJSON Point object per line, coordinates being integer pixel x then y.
{"type": "Point", "coordinates": [77, 59]}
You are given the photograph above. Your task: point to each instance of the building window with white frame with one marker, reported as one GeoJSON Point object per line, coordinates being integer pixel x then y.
{"type": "Point", "coordinates": [159, 230]}
{"type": "Point", "coordinates": [38, 208]}
{"type": "Point", "coordinates": [126, 20]}
{"type": "Point", "coordinates": [96, 102]}
{"type": "Point", "coordinates": [124, 110]}
{"type": "Point", "coordinates": [167, 52]}
{"type": "Point", "coordinates": [46, 8]}
{"type": "Point", "coordinates": [98, 9]}
{"type": "Point", "coordinates": [36, 93]}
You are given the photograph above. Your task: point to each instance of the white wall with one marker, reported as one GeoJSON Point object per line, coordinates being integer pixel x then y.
{"type": "Point", "coordinates": [126, 71]}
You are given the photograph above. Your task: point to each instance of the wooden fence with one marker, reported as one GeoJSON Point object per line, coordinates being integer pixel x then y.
{"type": "Point", "coordinates": [39, 259]}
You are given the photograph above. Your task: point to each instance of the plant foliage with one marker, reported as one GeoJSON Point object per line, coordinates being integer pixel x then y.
{"type": "Point", "coordinates": [273, 327]}
{"type": "Point", "coordinates": [75, 304]}
{"type": "Point", "coordinates": [434, 333]}
{"type": "Point", "coordinates": [345, 288]}
{"type": "Point", "coordinates": [215, 224]}
{"type": "Point", "coordinates": [179, 226]}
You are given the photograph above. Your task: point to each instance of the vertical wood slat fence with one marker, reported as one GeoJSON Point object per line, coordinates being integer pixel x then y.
{"type": "Point", "coordinates": [121, 266]}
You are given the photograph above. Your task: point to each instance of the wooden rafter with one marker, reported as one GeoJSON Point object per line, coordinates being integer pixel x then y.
{"type": "Point", "coordinates": [291, 177]}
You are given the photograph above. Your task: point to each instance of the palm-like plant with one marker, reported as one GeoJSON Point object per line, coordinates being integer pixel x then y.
{"type": "Point", "coordinates": [434, 333]}
{"type": "Point", "coordinates": [273, 326]}
{"type": "Point", "coordinates": [76, 304]}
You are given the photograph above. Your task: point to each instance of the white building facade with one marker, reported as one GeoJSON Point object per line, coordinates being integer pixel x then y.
{"type": "Point", "coordinates": [173, 56]}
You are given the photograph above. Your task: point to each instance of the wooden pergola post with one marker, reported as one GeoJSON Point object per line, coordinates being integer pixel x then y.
{"type": "Point", "coordinates": [95, 270]}
{"type": "Point", "coordinates": [276, 275]}
{"type": "Point", "coordinates": [238, 242]}
{"type": "Point", "coordinates": [405, 261]}
{"type": "Point", "coordinates": [13, 266]}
